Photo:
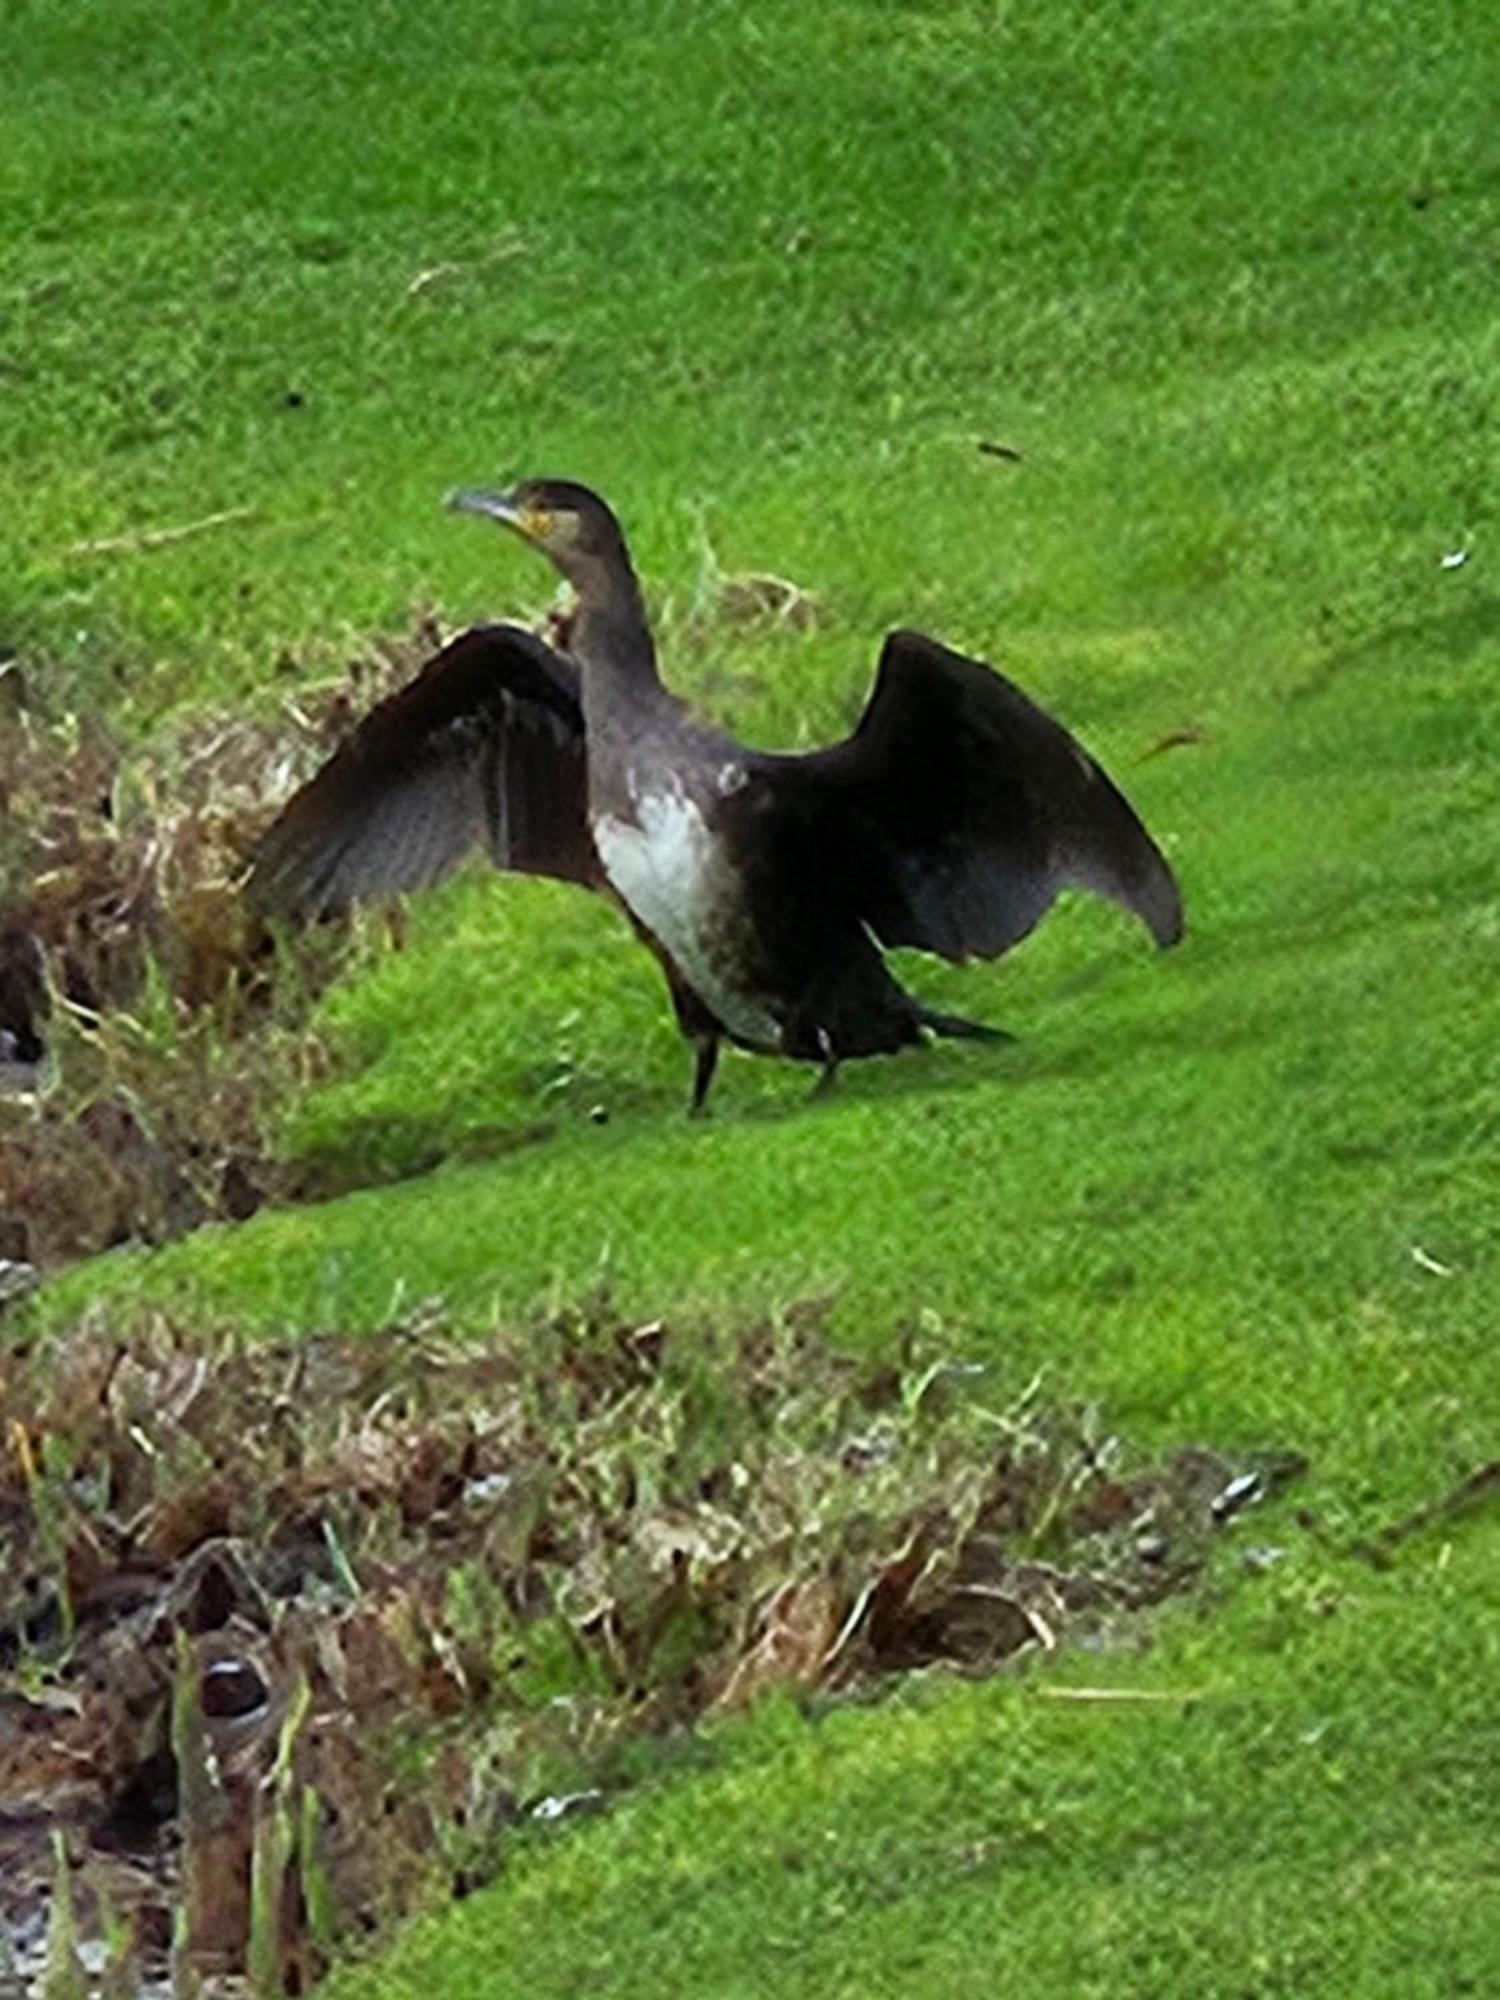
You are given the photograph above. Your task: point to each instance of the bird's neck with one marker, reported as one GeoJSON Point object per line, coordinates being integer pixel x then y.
{"type": "Point", "coordinates": [609, 636]}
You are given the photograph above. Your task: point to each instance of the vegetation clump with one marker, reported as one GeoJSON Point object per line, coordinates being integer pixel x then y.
{"type": "Point", "coordinates": [294, 1635]}
{"type": "Point", "coordinates": [180, 1027]}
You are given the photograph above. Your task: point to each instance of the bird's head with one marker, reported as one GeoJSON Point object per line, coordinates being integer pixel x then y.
{"type": "Point", "coordinates": [569, 523]}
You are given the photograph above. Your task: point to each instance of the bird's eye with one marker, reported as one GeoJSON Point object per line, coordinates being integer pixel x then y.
{"type": "Point", "coordinates": [539, 522]}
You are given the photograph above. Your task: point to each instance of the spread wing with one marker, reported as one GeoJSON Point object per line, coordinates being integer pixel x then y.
{"type": "Point", "coordinates": [958, 809]}
{"type": "Point", "coordinates": [486, 743]}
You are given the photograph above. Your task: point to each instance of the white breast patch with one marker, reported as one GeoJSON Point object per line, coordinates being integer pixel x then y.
{"type": "Point", "coordinates": [672, 876]}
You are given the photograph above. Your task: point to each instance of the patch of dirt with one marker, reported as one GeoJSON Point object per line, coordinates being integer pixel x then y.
{"type": "Point", "coordinates": [294, 1637]}
{"type": "Point", "coordinates": [150, 1028]}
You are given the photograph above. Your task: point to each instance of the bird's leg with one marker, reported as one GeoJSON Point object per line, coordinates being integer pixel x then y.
{"type": "Point", "coordinates": [703, 1073]}
{"type": "Point", "coordinates": [828, 1074]}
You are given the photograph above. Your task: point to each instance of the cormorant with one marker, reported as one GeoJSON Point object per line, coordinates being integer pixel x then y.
{"type": "Point", "coordinates": [765, 884]}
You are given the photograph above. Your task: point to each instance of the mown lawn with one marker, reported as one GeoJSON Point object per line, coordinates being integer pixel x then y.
{"type": "Point", "coordinates": [765, 276]}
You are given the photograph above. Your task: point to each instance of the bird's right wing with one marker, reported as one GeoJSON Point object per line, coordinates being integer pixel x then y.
{"type": "Point", "coordinates": [487, 743]}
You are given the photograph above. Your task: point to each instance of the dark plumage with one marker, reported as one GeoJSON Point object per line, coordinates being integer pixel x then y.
{"type": "Point", "coordinates": [485, 744]}
{"type": "Point", "coordinates": [764, 883]}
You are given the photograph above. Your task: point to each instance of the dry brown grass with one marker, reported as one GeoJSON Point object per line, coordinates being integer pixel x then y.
{"type": "Point", "coordinates": [178, 1026]}
{"type": "Point", "coordinates": [293, 1636]}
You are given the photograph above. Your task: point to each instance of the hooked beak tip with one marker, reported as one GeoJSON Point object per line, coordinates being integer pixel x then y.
{"type": "Point", "coordinates": [498, 506]}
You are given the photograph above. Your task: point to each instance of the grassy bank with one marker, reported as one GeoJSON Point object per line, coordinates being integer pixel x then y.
{"type": "Point", "coordinates": [767, 277]}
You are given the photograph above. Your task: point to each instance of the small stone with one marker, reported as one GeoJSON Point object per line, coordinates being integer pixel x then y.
{"type": "Point", "coordinates": [1238, 1494]}
{"type": "Point", "coordinates": [232, 1688]}
{"type": "Point", "coordinates": [17, 1279]}
{"type": "Point", "coordinates": [568, 1805]}
{"type": "Point", "coordinates": [1263, 1557]}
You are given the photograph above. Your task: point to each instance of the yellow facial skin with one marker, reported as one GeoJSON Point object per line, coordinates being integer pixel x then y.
{"type": "Point", "coordinates": [547, 528]}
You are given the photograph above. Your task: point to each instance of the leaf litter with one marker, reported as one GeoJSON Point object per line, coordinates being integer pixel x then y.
{"type": "Point", "coordinates": [296, 1638]}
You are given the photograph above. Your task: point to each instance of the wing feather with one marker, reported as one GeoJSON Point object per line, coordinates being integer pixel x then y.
{"type": "Point", "coordinates": [958, 809]}
{"type": "Point", "coordinates": [485, 745]}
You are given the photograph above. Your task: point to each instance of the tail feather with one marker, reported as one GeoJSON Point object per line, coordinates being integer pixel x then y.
{"type": "Point", "coordinates": [959, 1028]}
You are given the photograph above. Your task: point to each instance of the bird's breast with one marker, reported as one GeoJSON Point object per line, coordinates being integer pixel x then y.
{"type": "Point", "coordinates": [676, 876]}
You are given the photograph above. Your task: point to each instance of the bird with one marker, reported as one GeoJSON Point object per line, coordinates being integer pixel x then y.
{"type": "Point", "coordinates": [768, 885]}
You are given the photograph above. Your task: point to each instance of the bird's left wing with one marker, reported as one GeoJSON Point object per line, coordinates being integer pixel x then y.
{"type": "Point", "coordinates": [486, 743]}
{"type": "Point", "coordinates": [958, 809]}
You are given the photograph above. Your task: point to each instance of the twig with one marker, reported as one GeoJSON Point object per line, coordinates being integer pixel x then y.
{"type": "Point", "coordinates": [431, 276]}
{"type": "Point", "coordinates": [157, 538]}
{"type": "Point", "coordinates": [434, 274]}
{"type": "Point", "coordinates": [1474, 1486]}
{"type": "Point", "coordinates": [1176, 739]}
{"type": "Point", "coordinates": [1426, 1262]}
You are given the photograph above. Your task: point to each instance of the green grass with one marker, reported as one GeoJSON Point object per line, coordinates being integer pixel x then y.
{"type": "Point", "coordinates": [1293, 1831]}
{"type": "Point", "coordinates": [765, 275]}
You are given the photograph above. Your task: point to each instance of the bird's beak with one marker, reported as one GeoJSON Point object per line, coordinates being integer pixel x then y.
{"type": "Point", "coordinates": [528, 522]}
{"type": "Point", "coordinates": [531, 523]}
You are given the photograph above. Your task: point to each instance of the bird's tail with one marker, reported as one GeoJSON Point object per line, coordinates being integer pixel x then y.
{"type": "Point", "coordinates": [959, 1028]}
